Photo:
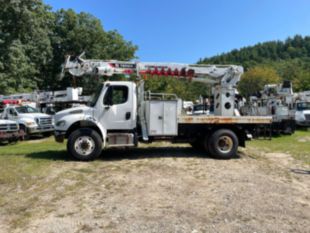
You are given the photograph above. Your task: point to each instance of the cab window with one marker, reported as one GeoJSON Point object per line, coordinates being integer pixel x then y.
{"type": "Point", "coordinates": [116, 95]}
{"type": "Point", "coordinates": [12, 112]}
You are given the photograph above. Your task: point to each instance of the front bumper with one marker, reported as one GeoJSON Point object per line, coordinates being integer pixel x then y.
{"type": "Point", "coordinates": [11, 136]}
{"type": "Point", "coordinates": [41, 129]}
{"type": "Point", "coordinates": [59, 136]}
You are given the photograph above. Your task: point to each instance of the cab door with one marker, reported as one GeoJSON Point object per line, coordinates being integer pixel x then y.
{"type": "Point", "coordinates": [116, 108]}
{"type": "Point", "coordinates": [11, 114]}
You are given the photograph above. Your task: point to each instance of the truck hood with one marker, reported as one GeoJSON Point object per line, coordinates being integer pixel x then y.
{"type": "Point", "coordinates": [33, 115]}
{"type": "Point", "coordinates": [73, 111]}
{"type": "Point", "coordinates": [4, 122]}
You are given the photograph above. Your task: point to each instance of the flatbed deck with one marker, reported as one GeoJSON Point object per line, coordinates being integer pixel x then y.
{"type": "Point", "coordinates": [207, 119]}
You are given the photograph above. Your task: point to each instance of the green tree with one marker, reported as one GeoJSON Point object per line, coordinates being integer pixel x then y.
{"type": "Point", "coordinates": [76, 33]}
{"type": "Point", "coordinates": [290, 59]}
{"type": "Point", "coordinates": [255, 78]}
{"type": "Point", "coordinates": [34, 41]}
{"type": "Point", "coordinates": [185, 89]}
{"type": "Point", "coordinates": [25, 47]}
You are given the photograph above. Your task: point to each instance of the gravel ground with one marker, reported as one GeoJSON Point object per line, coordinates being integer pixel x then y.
{"type": "Point", "coordinates": [167, 189]}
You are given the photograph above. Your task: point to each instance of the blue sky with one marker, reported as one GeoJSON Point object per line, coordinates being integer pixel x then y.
{"type": "Point", "coordinates": [184, 30]}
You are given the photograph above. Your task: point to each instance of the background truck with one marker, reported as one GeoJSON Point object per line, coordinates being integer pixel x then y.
{"type": "Point", "coordinates": [122, 113]}
{"type": "Point", "coordinates": [47, 101]}
{"type": "Point", "coordinates": [30, 120]}
{"type": "Point", "coordinates": [302, 113]}
{"type": "Point", "coordinates": [276, 100]}
{"type": "Point", "coordinates": [9, 131]}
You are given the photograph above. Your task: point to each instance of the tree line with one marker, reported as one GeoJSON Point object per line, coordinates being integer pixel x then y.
{"type": "Point", "coordinates": [270, 62]}
{"type": "Point", "coordinates": [34, 41]}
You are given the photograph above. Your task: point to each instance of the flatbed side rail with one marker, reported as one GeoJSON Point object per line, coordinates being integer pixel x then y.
{"type": "Point", "coordinates": [185, 119]}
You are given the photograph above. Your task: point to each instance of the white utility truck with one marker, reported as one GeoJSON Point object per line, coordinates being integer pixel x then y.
{"type": "Point", "coordinates": [122, 113]}
{"type": "Point", "coordinates": [302, 113]}
{"type": "Point", "coordinates": [276, 100]}
{"type": "Point", "coordinates": [29, 119]}
{"type": "Point", "coordinates": [9, 131]}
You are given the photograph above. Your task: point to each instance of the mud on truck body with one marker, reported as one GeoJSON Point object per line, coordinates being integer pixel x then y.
{"type": "Point", "coordinates": [122, 113]}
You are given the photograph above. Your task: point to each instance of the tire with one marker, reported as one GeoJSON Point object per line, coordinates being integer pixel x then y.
{"type": "Point", "coordinates": [223, 144]}
{"type": "Point", "coordinates": [84, 144]}
{"type": "Point", "coordinates": [23, 131]}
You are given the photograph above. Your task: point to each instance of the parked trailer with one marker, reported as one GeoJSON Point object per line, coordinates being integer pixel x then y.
{"type": "Point", "coordinates": [122, 114]}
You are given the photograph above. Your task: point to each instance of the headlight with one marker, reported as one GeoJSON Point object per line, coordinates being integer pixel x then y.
{"type": "Point", "coordinates": [30, 123]}
{"type": "Point", "coordinates": [60, 123]}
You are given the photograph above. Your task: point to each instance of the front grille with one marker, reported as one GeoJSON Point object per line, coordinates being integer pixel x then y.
{"type": "Point", "coordinates": [3, 127]}
{"type": "Point", "coordinates": [307, 116]}
{"type": "Point", "coordinates": [45, 121]}
{"type": "Point", "coordinates": [13, 127]}
{"type": "Point", "coordinates": [8, 127]}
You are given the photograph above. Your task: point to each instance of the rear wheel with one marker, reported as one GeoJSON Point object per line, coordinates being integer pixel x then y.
{"type": "Point", "coordinates": [223, 144]}
{"type": "Point", "coordinates": [84, 144]}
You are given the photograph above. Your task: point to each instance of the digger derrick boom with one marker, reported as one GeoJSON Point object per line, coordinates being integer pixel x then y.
{"type": "Point", "coordinates": [224, 77]}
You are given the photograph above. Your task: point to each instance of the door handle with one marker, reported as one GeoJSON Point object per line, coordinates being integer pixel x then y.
{"type": "Point", "coordinates": [160, 117]}
{"type": "Point", "coordinates": [127, 115]}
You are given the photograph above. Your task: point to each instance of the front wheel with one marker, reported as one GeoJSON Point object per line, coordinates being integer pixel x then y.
{"type": "Point", "coordinates": [84, 144]}
{"type": "Point", "coordinates": [223, 144]}
{"type": "Point", "coordinates": [23, 132]}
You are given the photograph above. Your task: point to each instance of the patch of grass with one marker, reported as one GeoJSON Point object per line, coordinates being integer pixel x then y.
{"type": "Point", "coordinates": [297, 145]}
{"type": "Point", "coordinates": [23, 163]}
{"type": "Point", "coordinates": [32, 146]}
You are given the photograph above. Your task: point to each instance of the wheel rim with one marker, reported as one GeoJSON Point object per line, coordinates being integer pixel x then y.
{"type": "Point", "coordinates": [225, 144]}
{"type": "Point", "coordinates": [84, 145]}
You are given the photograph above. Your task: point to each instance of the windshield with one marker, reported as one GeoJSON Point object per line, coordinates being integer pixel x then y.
{"type": "Point", "coordinates": [95, 96]}
{"type": "Point", "coordinates": [303, 106]}
{"type": "Point", "coordinates": [26, 109]}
